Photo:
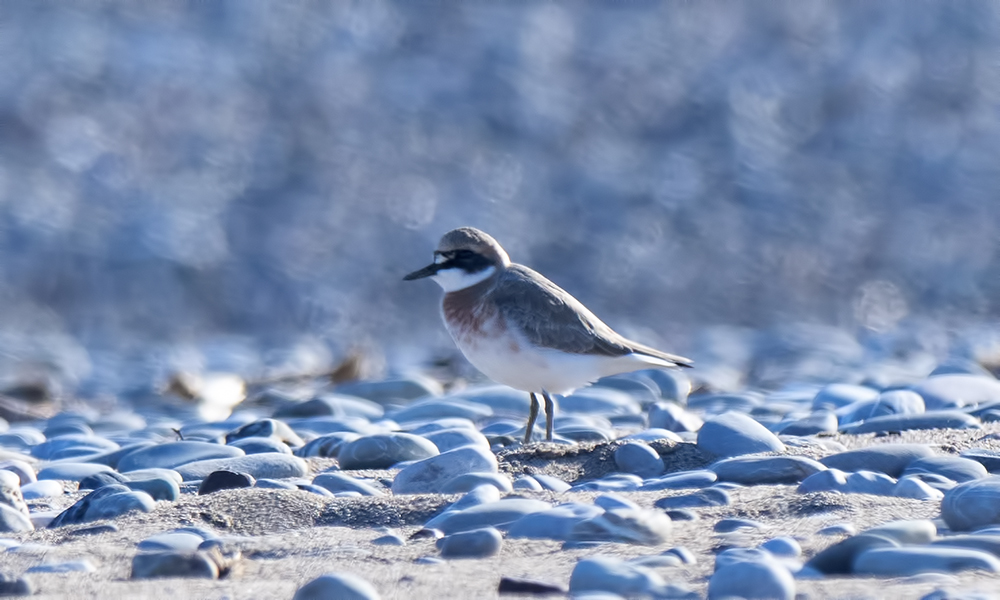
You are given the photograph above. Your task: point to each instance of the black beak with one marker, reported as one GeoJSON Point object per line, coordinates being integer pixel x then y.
{"type": "Point", "coordinates": [427, 271]}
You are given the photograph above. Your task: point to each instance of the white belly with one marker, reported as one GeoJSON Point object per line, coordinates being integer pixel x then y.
{"type": "Point", "coordinates": [507, 358]}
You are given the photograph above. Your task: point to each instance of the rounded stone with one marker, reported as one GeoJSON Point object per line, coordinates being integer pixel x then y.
{"type": "Point", "coordinates": [224, 480]}
{"type": "Point", "coordinates": [337, 482]}
{"type": "Point", "coordinates": [766, 470]}
{"type": "Point", "coordinates": [476, 543]}
{"type": "Point", "coordinates": [382, 451]}
{"type": "Point", "coordinates": [69, 471]}
{"type": "Point", "coordinates": [838, 559]}
{"type": "Point", "coordinates": [735, 434]}
{"type": "Point", "coordinates": [972, 504]}
{"type": "Point", "coordinates": [149, 565]}
{"type": "Point", "coordinates": [913, 560]}
{"type": "Point", "coordinates": [766, 579]}
{"type": "Point", "coordinates": [271, 465]}
{"type": "Point", "coordinates": [175, 454]}
{"type": "Point", "coordinates": [428, 475]}
{"type": "Point", "coordinates": [891, 459]}
{"type": "Point", "coordinates": [343, 586]}
{"type": "Point", "coordinates": [609, 574]}
{"type": "Point", "coordinates": [700, 499]}
{"type": "Point", "coordinates": [468, 482]}
{"type": "Point", "coordinates": [955, 468]}
{"type": "Point", "coordinates": [638, 459]}
{"type": "Point", "coordinates": [672, 417]}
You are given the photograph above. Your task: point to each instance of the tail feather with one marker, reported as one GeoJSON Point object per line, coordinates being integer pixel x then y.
{"type": "Point", "coordinates": [673, 360]}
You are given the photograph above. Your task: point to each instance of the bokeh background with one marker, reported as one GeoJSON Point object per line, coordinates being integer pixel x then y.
{"type": "Point", "coordinates": [240, 185]}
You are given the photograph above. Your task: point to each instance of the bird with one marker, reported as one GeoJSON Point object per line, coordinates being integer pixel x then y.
{"type": "Point", "coordinates": [523, 331]}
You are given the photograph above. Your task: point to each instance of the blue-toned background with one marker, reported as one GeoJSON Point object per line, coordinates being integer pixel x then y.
{"type": "Point", "coordinates": [241, 185]}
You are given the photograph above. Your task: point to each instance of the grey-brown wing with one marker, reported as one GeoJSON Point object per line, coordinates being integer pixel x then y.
{"type": "Point", "coordinates": [550, 317]}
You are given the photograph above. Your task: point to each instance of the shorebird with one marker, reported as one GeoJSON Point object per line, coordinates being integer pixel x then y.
{"type": "Point", "coordinates": [524, 331]}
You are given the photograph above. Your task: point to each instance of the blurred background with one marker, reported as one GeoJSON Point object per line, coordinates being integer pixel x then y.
{"type": "Point", "coordinates": [240, 186]}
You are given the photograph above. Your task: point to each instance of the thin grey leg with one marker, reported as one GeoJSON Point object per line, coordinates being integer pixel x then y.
{"type": "Point", "coordinates": [550, 411]}
{"type": "Point", "coordinates": [532, 413]}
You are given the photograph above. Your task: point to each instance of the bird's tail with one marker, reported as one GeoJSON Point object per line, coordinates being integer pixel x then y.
{"type": "Point", "coordinates": [662, 359]}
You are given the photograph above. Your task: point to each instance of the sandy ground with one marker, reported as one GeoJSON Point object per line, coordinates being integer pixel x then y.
{"type": "Point", "coordinates": [286, 538]}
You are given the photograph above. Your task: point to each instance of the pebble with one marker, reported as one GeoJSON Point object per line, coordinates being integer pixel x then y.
{"type": "Point", "coordinates": [984, 456]}
{"type": "Point", "coordinates": [386, 390]}
{"type": "Point", "coordinates": [474, 543]}
{"type": "Point", "coordinates": [382, 451]}
{"type": "Point", "coordinates": [784, 547]}
{"type": "Point", "coordinates": [15, 586]}
{"type": "Point", "coordinates": [944, 419]}
{"type": "Point", "coordinates": [955, 468]}
{"type": "Point", "coordinates": [838, 559]}
{"type": "Point", "coordinates": [681, 480]}
{"type": "Point", "coordinates": [912, 487]}
{"type": "Point", "coordinates": [763, 579]}
{"type": "Point", "coordinates": [340, 482]}
{"type": "Point", "coordinates": [654, 434]}
{"type": "Point", "coordinates": [624, 525]}
{"type": "Point", "coordinates": [42, 489]}
{"type": "Point", "coordinates": [70, 446]}
{"type": "Point", "coordinates": [456, 437]}
{"type": "Point", "coordinates": [527, 482]}
{"type": "Point", "coordinates": [271, 465]}
{"type": "Point", "coordinates": [23, 439]}
{"type": "Point", "coordinates": [838, 395]}
{"type": "Point", "coordinates": [107, 502]}
{"type": "Point", "coordinates": [10, 492]}
{"type": "Point", "coordinates": [158, 488]}
{"type": "Point", "coordinates": [71, 566]}
{"type": "Point", "coordinates": [869, 482]}
{"type": "Point", "coordinates": [389, 539]}
{"type": "Point", "coordinates": [433, 409]}
{"type": "Point", "coordinates": [830, 480]}
{"type": "Point", "coordinates": [224, 480]}
{"type": "Point", "coordinates": [100, 479]}
{"type": "Point", "coordinates": [957, 390]}
{"type": "Point", "coordinates": [731, 525]}
{"type": "Point", "coordinates": [672, 417]}
{"type": "Point", "coordinates": [734, 434]}
{"type": "Point", "coordinates": [598, 401]}
{"type": "Point", "coordinates": [428, 475]}
{"type": "Point", "coordinates": [715, 404]}
{"type": "Point", "coordinates": [13, 520]}
{"type": "Point", "coordinates": [483, 494]}
{"type": "Point", "coordinates": [331, 405]}
{"type": "Point", "coordinates": [326, 446]}
{"type": "Point", "coordinates": [972, 504]}
{"type": "Point", "coordinates": [177, 541]}
{"type": "Point", "coordinates": [175, 454]}
{"type": "Point", "coordinates": [498, 514]}
{"type": "Point", "coordinates": [986, 542]}
{"type": "Point", "coordinates": [529, 587]}
{"type": "Point", "coordinates": [551, 483]}
{"type": "Point", "coordinates": [342, 586]}
{"type": "Point", "coordinates": [149, 565]}
{"type": "Point", "coordinates": [765, 470]}
{"type": "Point", "coordinates": [893, 402]}
{"type": "Point", "coordinates": [913, 560]}
{"type": "Point", "coordinates": [638, 459]}
{"type": "Point", "coordinates": [609, 574]}
{"type": "Point", "coordinates": [554, 524]}
{"type": "Point", "coordinates": [702, 498]}
{"type": "Point", "coordinates": [838, 529]}
{"type": "Point", "coordinates": [818, 421]}
{"type": "Point", "coordinates": [917, 531]}
{"type": "Point", "coordinates": [260, 445]}
{"type": "Point", "coordinates": [469, 481]}
{"type": "Point", "coordinates": [23, 470]}
{"type": "Point", "coordinates": [682, 514]}
{"type": "Point", "coordinates": [71, 471]}
{"type": "Point", "coordinates": [891, 459]}
{"type": "Point", "coordinates": [95, 529]}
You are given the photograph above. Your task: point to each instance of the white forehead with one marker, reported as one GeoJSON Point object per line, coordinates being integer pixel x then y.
{"type": "Point", "coordinates": [452, 280]}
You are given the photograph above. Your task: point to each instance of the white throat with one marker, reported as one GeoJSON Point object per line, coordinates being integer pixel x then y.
{"type": "Point", "coordinates": [452, 280]}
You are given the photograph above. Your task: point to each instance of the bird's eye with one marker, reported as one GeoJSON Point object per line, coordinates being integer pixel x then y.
{"type": "Point", "coordinates": [464, 254]}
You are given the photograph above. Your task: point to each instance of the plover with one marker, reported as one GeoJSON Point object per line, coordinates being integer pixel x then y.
{"type": "Point", "coordinates": [524, 331]}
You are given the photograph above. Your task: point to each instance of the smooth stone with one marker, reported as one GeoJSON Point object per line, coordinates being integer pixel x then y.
{"type": "Point", "coordinates": [13, 520]}
{"type": "Point", "coordinates": [271, 465]}
{"type": "Point", "coordinates": [958, 390]}
{"type": "Point", "coordinates": [891, 459]}
{"type": "Point", "coordinates": [217, 481]}
{"type": "Point", "coordinates": [654, 434]}
{"type": "Point", "coordinates": [112, 457]}
{"type": "Point", "coordinates": [830, 480]}
{"type": "Point", "coordinates": [342, 586]}
{"type": "Point", "coordinates": [389, 539]}
{"type": "Point", "coordinates": [838, 559]}
{"type": "Point", "coordinates": [682, 514]}
{"type": "Point", "coordinates": [150, 565]}
{"type": "Point", "coordinates": [715, 404]}
{"type": "Point", "coordinates": [764, 580]}
{"type": "Point", "coordinates": [609, 574]}
{"type": "Point", "coordinates": [552, 483]}
{"type": "Point", "coordinates": [327, 425]}
{"type": "Point", "coordinates": [326, 446]}
{"type": "Point", "coordinates": [527, 482]}
{"type": "Point", "coordinates": [275, 484]}
{"type": "Point", "coordinates": [955, 468]}
{"type": "Point", "coordinates": [107, 502]}
{"type": "Point", "coordinates": [615, 482]}
{"type": "Point", "coordinates": [498, 514]}
{"type": "Point", "coordinates": [838, 395]}
{"type": "Point", "coordinates": [15, 586]}
{"type": "Point", "coordinates": [332, 405]}
{"type": "Point", "coordinates": [154, 473]}
{"type": "Point", "coordinates": [340, 482]}
{"type": "Point", "coordinates": [428, 475]}
{"type": "Point", "coordinates": [916, 531]}
{"type": "Point", "coordinates": [598, 401]}
{"type": "Point", "coordinates": [25, 473]}
{"type": "Point", "coordinates": [702, 498]}
{"type": "Point", "coordinates": [657, 561]}
{"type": "Point", "coordinates": [449, 439]}
{"type": "Point", "coordinates": [175, 454]}
{"type": "Point", "coordinates": [680, 480]}
{"type": "Point", "coordinates": [474, 543]}
{"type": "Point", "coordinates": [638, 459]}
{"type": "Point", "coordinates": [22, 439]}
{"type": "Point", "coordinates": [468, 482]}
{"type": "Point", "coordinates": [624, 525]}
{"type": "Point", "coordinates": [765, 470]}
{"type": "Point", "coordinates": [670, 416]}
{"type": "Point", "coordinates": [71, 566]}
{"type": "Point", "coordinates": [158, 488]}
{"type": "Point", "coordinates": [259, 445]}
{"type": "Point", "coordinates": [869, 482]}
{"type": "Point", "coordinates": [177, 541]}
{"type": "Point", "coordinates": [529, 587]}
{"type": "Point", "coordinates": [387, 390]}
{"type": "Point", "coordinates": [70, 471]}
{"type": "Point", "coordinates": [972, 504]}
{"type": "Point", "coordinates": [613, 501]}
{"type": "Point", "coordinates": [913, 560]}
{"type": "Point", "coordinates": [96, 529]}
{"type": "Point", "coordinates": [483, 494]}
{"type": "Point", "coordinates": [977, 541]}
{"type": "Point", "coordinates": [731, 525]}
{"type": "Point", "coordinates": [929, 420]}
{"type": "Point", "coordinates": [785, 547]}
{"type": "Point", "coordinates": [100, 479]}
{"type": "Point", "coordinates": [439, 408]}
{"type": "Point", "coordinates": [818, 421]}
{"type": "Point", "coordinates": [554, 524]}
{"type": "Point", "coordinates": [42, 489]}
{"type": "Point", "coordinates": [912, 487]}
{"type": "Point", "coordinates": [838, 529]}
{"type": "Point", "coordinates": [68, 446]}
{"type": "Point", "coordinates": [734, 434]}
{"type": "Point", "coordinates": [732, 556]}
{"type": "Point", "coordinates": [10, 491]}
{"type": "Point", "coordinates": [893, 402]}
{"type": "Point", "coordinates": [382, 451]}
{"type": "Point", "coordinates": [984, 456]}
